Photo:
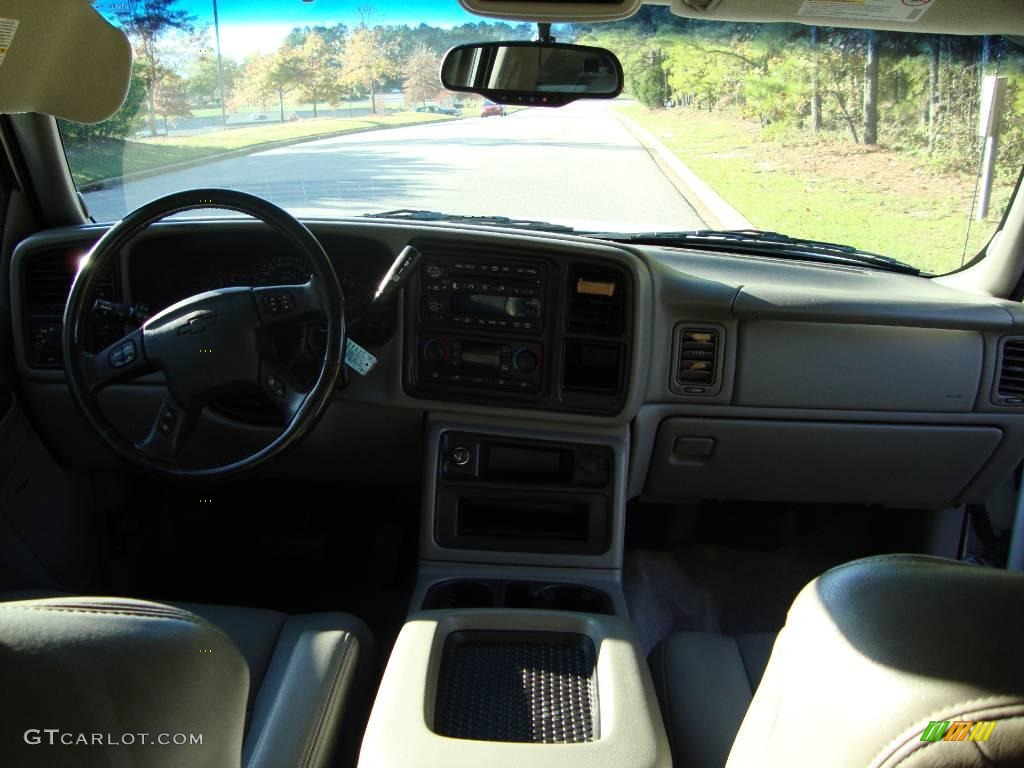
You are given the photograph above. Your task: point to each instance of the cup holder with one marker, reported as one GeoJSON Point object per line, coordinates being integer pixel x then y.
{"type": "Point", "coordinates": [569, 597]}
{"type": "Point", "coordinates": [461, 593]}
{"type": "Point", "coordinates": [470, 593]}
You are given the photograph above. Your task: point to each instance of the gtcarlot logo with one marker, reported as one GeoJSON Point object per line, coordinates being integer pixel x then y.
{"type": "Point", "coordinates": [55, 736]}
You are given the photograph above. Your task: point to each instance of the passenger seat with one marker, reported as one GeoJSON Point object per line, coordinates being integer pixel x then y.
{"type": "Point", "coordinates": [875, 654]}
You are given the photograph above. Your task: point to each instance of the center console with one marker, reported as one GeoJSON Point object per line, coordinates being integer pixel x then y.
{"type": "Point", "coordinates": [512, 688]}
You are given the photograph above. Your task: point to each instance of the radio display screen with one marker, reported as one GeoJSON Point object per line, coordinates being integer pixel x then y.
{"type": "Point", "coordinates": [479, 304]}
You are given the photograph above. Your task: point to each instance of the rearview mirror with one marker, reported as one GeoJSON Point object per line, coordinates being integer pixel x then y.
{"type": "Point", "coordinates": [533, 74]}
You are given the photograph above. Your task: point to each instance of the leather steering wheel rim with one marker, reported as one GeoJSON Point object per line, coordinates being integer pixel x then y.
{"type": "Point", "coordinates": [88, 374]}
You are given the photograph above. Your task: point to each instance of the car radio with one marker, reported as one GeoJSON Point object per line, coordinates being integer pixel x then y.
{"type": "Point", "coordinates": [485, 294]}
{"type": "Point", "coordinates": [481, 325]}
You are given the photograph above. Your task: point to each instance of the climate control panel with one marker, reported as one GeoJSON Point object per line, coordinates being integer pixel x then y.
{"type": "Point", "coordinates": [445, 361]}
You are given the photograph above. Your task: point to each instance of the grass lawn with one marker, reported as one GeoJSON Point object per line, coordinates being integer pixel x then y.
{"type": "Point", "coordinates": [105, 159]}
{"type": "Point", "coordinates": [830, 190]}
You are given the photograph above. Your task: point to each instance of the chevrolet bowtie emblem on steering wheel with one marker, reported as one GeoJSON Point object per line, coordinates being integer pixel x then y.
{"type": "Point", "coordinates": [197, 323]}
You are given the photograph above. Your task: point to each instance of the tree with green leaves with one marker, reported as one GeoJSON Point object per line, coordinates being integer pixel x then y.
{"type": "Point", "coordinates": [281, 73]}
{"type": "Point", "coordinates": [146, 22]}
{"type": "Point", "coordinates": [368, 62]}
{"type": "Point", "coordinates": [318, 59]}
{"type": "Point", "coordinates": [202, 81]}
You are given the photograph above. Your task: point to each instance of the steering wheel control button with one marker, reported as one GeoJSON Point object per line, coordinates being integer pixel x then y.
{"type": "Point", "coordinates": [166, 423]}
{"type": "Point", "coordinates": [123, 354]}
{"type": "Point", "coordinates": [275, 385]}
{"type": "Point", "coordinates": [461, 455]}
{"type": "Point", "coordinates": [279, 302]}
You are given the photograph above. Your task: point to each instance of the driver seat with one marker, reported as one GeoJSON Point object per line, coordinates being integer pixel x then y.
{"type": "Point", "coordinates": [101, 681]}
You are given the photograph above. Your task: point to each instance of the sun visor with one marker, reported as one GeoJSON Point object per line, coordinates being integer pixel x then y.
{"type": "Point", "coordinates": [953, 17]}
{"type": "Point", "coordinates": [62, 58]}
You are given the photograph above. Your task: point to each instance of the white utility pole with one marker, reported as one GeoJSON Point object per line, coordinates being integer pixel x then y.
{"type": "Point", "coordinates": [993, 94]}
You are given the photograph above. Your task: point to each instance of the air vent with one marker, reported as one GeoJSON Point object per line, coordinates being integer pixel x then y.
{"type": "Point", "coordinates": [50, 275]}
{"type": "Point", "coordinates": [697, 360]}
{"type": "Point", "coordinates": [1010, 388]}
{"type": "Point", "coordinates": [597, 301]}
{"type": "Point", "coordinates": [50, 278]}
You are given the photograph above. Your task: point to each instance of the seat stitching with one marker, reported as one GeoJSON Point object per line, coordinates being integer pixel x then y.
{"type": "Point", "coordinates": [104, 611]}
{"type": "Point", "coordinates": [97, 610]}
{"type": "Point", "coordinates": [331, 702]}
{"type": "Point", "coordinates": [988, 760]}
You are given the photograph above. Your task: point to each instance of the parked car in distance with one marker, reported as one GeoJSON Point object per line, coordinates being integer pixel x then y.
{"type": "Point", "coordinates": [259, 117]}
{"type": "Point", "coordinates": [490, 109]}
{"type": "Point", "coordinates": [438, 110]}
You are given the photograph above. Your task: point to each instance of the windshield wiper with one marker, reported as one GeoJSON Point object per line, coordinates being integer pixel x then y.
{"type": "Point", "coordinates": [761, 242]}
{"type": "Point", "coordinates": [410, 214]}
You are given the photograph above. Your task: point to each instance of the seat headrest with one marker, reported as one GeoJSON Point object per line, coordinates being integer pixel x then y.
{"type": "Point", "coordinates": [116, 682]}
{"type": "Point", "coordinates": [877, 652]}
{"type": "Point", "coordinates": [63, 59]}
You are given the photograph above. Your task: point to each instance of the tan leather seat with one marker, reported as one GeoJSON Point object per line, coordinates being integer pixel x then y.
{"type": "Point", "coordinates": [261, 689]}
{"type": "Point", "coordinates": [873, 653]}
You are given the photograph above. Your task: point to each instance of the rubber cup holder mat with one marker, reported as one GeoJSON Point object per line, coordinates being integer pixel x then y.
{"type": "Point", "coordinates": [534, 687]}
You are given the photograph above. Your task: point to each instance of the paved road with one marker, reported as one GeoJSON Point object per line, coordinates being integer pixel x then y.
{"type": "Point", "coordinates": [577, 165]}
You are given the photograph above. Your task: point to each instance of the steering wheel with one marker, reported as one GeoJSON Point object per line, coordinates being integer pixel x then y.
{"type": "Point", "coordinates": [206, 342]}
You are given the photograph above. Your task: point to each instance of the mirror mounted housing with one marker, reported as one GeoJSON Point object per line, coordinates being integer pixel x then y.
{"type": "Point", "coordinates": [532, 74]}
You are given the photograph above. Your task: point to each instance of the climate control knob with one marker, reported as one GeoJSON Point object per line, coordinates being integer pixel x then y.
{"type": "Point", "coordinates": [434, 271]}
{"type": "Point", "coordinates": [525, 360]}
{"type": "Point", "coordinates": [434, 350]}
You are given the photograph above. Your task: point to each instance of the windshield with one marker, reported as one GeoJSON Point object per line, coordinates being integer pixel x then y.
{"type": "Point", "coordinates": [868, 139]}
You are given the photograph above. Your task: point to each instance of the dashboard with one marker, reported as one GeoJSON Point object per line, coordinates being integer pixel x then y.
{"type": "Point", "coordinates": [725, 377]}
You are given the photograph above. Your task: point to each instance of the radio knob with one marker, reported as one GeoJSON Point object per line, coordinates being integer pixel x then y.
{"type": "Point", "coordinates": [434, 271]}
{"type": "Point", "coordinates": [525, 360]}
{"type": "Point", "coordinates": [434, 351]}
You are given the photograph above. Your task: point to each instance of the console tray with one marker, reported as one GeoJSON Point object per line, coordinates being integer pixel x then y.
{"type": "Point", "coordinates": [515, 686]}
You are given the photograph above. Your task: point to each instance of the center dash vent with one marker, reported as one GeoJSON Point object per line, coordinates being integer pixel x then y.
{"type": "Point", "coordinates": [697, 361]}
{"type": "Point", "coordinates": [597, 301]}
{"type": "Point", "coordinates": [1010, 386]}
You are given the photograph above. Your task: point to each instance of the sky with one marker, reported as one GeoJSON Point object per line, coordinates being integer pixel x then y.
{"type": "Point", "coordinates": [249, 26]}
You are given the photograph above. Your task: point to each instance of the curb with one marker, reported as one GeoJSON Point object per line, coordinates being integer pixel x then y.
{"type": "Point", "coordinates": [727, 216]}
{"type": "Point", "coordinates": [116, 181]}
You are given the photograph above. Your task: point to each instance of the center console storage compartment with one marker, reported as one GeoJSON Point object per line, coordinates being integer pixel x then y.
{"type": "Point", "coordinates": [508, 688]}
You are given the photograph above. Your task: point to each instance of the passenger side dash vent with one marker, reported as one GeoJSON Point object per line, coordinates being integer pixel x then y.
{"type": "Point", "coordinates": [597, 301]}
{"type": "Point", "coordinates": [1010, 384]}
{"type": "Point", "coordinates": [697, 361]}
